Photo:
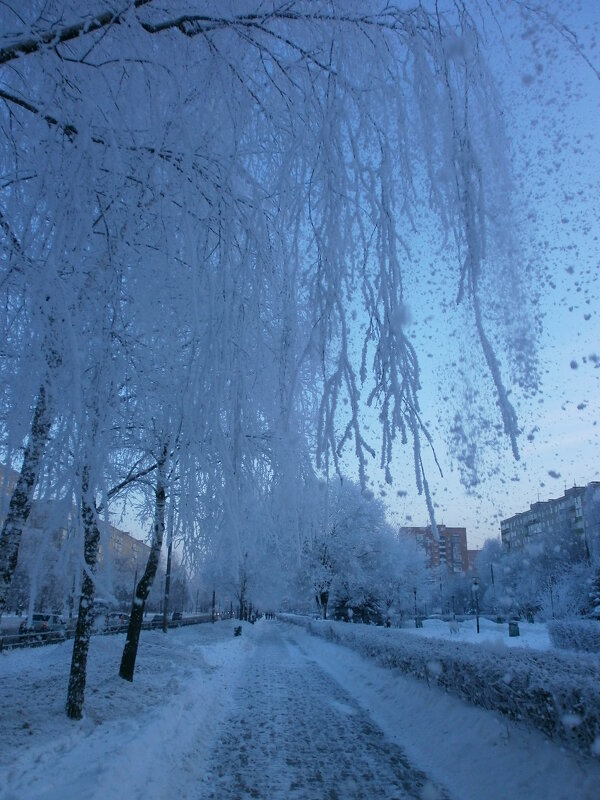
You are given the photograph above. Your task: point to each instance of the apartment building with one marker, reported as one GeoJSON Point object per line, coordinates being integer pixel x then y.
{"type": "Point", "coordinates": [572, 515]}
{"type": "Point", "coordinates": [54, 520]}
{"type": "Point", "coordinates": [449, 550]}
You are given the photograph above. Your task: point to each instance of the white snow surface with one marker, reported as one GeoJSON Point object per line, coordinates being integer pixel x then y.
{"type": "Point", "coordinates": [275, 713]}
{"type": "Point", "coordinates": [531, 635]}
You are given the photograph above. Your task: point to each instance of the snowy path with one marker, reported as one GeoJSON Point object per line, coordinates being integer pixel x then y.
{"type": "Point", "coordinates": [274, 714]}
{"type": "Point", "coordinates": [294, 733]}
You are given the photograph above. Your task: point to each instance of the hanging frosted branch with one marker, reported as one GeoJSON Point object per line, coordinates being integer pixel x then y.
{"type": "Point", "coordinates": [471, 228]}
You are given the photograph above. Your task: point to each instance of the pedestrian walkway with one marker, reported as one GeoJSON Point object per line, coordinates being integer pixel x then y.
{"type": "Point", "coordinates": [293, 733]}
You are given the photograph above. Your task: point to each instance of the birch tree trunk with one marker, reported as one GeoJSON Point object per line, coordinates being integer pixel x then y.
{"type": "Point", "coordinates": [20, 502]}
{"type": "Point", "coordinates": [143, 588]}
{"type": "Point", "coordinates": [83, 629]}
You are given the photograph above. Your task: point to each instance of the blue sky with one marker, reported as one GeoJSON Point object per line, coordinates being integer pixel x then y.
{"type": "Point", "coordinates": [552, 96]}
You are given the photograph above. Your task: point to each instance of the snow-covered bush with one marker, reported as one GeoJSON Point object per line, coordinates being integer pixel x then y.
{"type": "Point", "coordinates": [557, 693]}
{"type": "Point", "coordinates": [575, 634]}
{"type": "Point", "coordinates": [594, 595]}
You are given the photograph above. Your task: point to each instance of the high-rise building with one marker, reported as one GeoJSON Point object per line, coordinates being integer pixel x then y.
{"type": "Point", "coordinates": [449, 550]}
{"type": "Point", "coordinates": [573, 515]}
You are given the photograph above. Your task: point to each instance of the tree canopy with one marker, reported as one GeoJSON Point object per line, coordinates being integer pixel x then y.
{"type": "Point", "coordinates": [208, 212]}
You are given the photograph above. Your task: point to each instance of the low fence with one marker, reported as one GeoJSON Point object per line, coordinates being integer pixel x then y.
{"type": "Point", "coordinates": [40, 638]}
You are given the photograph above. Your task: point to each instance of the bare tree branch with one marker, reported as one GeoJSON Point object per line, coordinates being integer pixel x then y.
{"type": "Point", "coordinates": [53, 37]}
{"type": "Point", "coordinates": [69, 130]}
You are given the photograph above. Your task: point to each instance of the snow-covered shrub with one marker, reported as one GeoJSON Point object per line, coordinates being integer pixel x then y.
{"type": "Point", "coordinates": [575, 634]}
{"type": "Point", "coordinates": [594, 595]}
{"type": "Point", "coordinates": [557, 693]}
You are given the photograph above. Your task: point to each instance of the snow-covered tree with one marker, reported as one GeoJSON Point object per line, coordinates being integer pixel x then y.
{"type": "Point", "coordinates": [352, 559]}
{"type": "Point", "coordinates": [549, 577]}
{"type": "Point", "coordinates": [207, 216]}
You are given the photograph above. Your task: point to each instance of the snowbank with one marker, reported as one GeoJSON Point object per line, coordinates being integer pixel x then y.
{"type": "Point", "coordinates": [132, 737]}
{"type": "Point", "coordinates": [558, 693]}
{"type": "Point", "coordinates": [474, 754]}
{"type": "Point", "coordinates": [534, 636]}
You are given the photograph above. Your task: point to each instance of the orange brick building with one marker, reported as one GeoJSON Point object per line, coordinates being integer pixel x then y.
{"type": "Point", "coordinates": [449, 551]}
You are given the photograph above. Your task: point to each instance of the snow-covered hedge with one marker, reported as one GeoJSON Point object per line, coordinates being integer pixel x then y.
{"type": "Point", "coordinates": [558, 693]}
{"type": "Point", "coordinates": [575, 634]}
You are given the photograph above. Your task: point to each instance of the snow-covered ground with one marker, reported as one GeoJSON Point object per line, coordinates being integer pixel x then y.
{"type": "Point", "coordinates": [275, 713]}
{"type": "Point", "coordinates": [133, 737]}
{"type": "Point", "coordinates": [532, 635]}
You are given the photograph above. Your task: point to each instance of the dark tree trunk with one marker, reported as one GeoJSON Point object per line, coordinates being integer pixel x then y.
{"type": "Point", "coordinates": [143, 588]}
{"type": "Point", "coordinates": [243, 604]}
{"type": "Point", "coordinates": [324, 597]}
{"type": "Point", "coordinates": [243, 587]}
{"type": "Point", "coordinates": [20, 501]}
{"type": "Point", "coordinates": [85, 616]}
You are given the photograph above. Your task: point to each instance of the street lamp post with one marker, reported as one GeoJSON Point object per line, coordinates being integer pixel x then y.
{"type": "Point", "coordinates": [416, 618]}
{"type": "Point", "coordinates": [494, 591]}
{"type": "Point", "coordinates": [475, 592]}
